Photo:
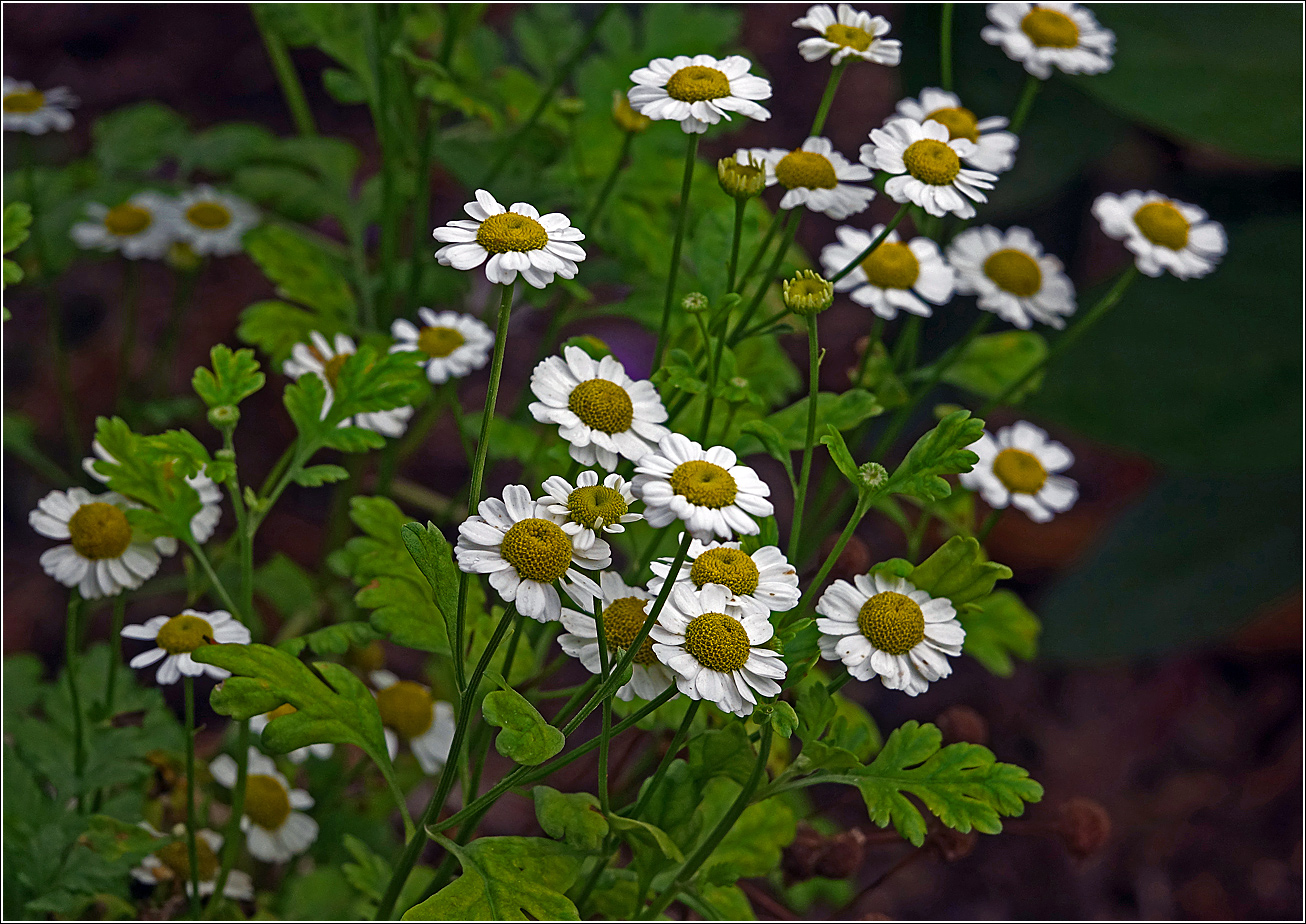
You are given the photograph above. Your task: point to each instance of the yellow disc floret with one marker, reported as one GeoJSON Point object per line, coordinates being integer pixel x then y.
{"type": "Point", "coordinates": [439, 342]}
{"type": "Point", "coordinates": [848, 36]}
{"type": "Point", "coordinates": [1020, 472]}
{"type": "Point", "coordinates": [1163, 224]}
{"type": "Point", "coordinates": [958, 120]}
{"type": "Point", "coordinates": [697, 83]}
{"type": "Point", "coordinates": [1050, 29]}
{"type": "Point", "coordinates": [406, 707]}
{"type": "Point", "coordinates": [183, 634]}
{"type": "Point", "coordinates": [622, 621]}
{"type": "Point", "coordinates": [509, 231]}
{"type": "Point", "coordinates": [127, 219]}
{"type": "Point", "coordinates": [624, 114]}
{"type": "Point", "coordinates": [538, 549]}
{"type": "Point", "coordinates": [892, 265]}
{"type": "Point", "coordinates": [267, 803]}
{"type": "Point", "coordinates": [732, 567]}
{"type": "Point", "coordinates": [211, 216]}
{"type": "Point", "coordinates": [1014, 271]}
{"type": "Point", "coordinates": [892, 622]}
{"type": "Point", "coordinates": [741, 180]}
{"type": "Point", "coordinates": [807, 170]}
{"type": "Point", "coordinates": [704, 484]}
{"type": "Point", "coordinates": [176, 858]}
{"type": "Point", "coordinates": [21, 102]}
{"type": "Point", "coordinates": [596, 506]}
{"type": "Point", "coordinates": [717, 641]}
{"type": "Point", "coordinates": [932, 162]}
{"type": "Point", "coordinates": [602, 405]}
{"type": "Point", "coordinates": [99, 530]}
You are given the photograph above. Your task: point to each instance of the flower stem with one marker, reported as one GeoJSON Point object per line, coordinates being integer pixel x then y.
{"type": "Point", "coordinates": [115, 650]}
{"type": "Point", "coordinates": [609, 183]}
{"type": "Point", "coordinates": [183, 290]}
{"type": "Point", "coordinates": [74, 694]}
{"type": "Point", "coordinates": [831, 86]}
{"type": "Point", "coordinates": [188, 685]}
{"type": "Point", "coordinates": [740, 206]}
{"type": "Point", "coordinates": [231, 836]}
{"type": "Point", "coordinates": [291, 88]}
{"type": "Point", "coordinates": [777, 222]}
{"type": "Point", "coordinates": [1026, 103]}
{"type": "Point", "coordinates": [837, 683]}
{"type": "Point", "coordinates": [945, 48]}
{"type": "Point", "coordinates": [605, 734]}
{"type": "Point", "coordinates": [221, 589]}
{"type": "Point", "coordinates": [800, 611]}
{"type": "Point", "coordinates": [691, 156]}
{"type": "Point", "coordinates": [791, 231]}
{"type": "Point", "coordinates": [990, 521]}
{"type": "Point", "coordinates": [879, 239]}
{"type": "Point", "coordinates": [805, 473]}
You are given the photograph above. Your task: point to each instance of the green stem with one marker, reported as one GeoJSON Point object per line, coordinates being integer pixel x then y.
{"type": "Point", "coordinates": [838, 682]}
{"type": "Point", "coordinates": [791, 231]}
{"type": "Point", "coordinates": [609, 183]}
{"type": "Point", "coordinates": [735, 239]}
{"type": "Point", "coordinates": [421, 213]}
{"type": "Point", "coordinates": [778, 220]}
{"type": "Point", "coordinates": [579, 695]}
{"type": "Point", "coordinates": [831, 86]}
{"type": "Point", "coordinates": [231, 841]}
{"type": "Point", "coordinates": [188, 685]}
{"type": "Point", "coordinates": [805, 473]}
{"type": "Point", "coordinates": [157, 371]}
{"type": "Point", "coordinates": [800, 611]}
{"type": "Point", "coordinates": [722, 323]}
{"type": "Point", "coordinates": [291, 88]}
{"type": "Point", "coordinates": [945, 48]}
{"type": "Point", "coordinates": [872, 340]}
{"type": "Point", "coordinates": [691, 156]}
{"type": "Point", "coordinates": [879, 239]}
{"type": "Point", "coordinates": [990, 521]}
{"type": "Point", "coordinates": [1026, 103]}
{"type": "Point", "coordinates": [227, 599]}
{"type": "Point", "coordinates": [71, 662]}
{"type": "Point", "coordinates": [115, 651]}
{"type": "Point", "coordinates": [605, 733]}
{"type": "Point", "coordinates": [699, 857]}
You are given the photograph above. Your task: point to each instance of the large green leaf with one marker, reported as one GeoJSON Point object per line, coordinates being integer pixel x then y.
{"type": "Point", "coordinates": [505, 879]}
{"type": "Point", "coordinates": [525, 737]}
{"type": "Point", "coordinates": [573, 818]}
{"type": "Point", "coordinates": [960, 571]}
{"type": "Point", "coordinates": [941, 451]}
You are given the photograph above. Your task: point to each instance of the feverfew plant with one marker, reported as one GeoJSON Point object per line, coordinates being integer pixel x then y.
{"type": "Point", "coordinates": [634, 559]}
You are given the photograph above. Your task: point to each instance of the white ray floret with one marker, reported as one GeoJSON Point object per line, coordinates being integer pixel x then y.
{"type": "Point", "coordinates": [706, 488]}
{"type": "Point", "coordinates": [276, 828]}
{"type": "Point", "coordinates": [761, 583]}
{"type": "Point", "coordinates": [27, 109]}
{"type": "Point", "coordinates": [509, 241]}
{"type": "Point", "coordinates": [1021, 467]}
{"type": "Point", "coordinates": [143, 227]}
{"type": "Point", "coordinates": [213, 223]}
{"type": "Point", "coordinates": [698, 91]}
{"type": "Point", "coordinates": [1012, 276]}
{"type": "Point", "coordinates": [911, 276]}
{"type": "Point", "coordinates": [995, 149]}
{"type": "Point", "coordinates": [625, 609]}
{"type": "Point", "coordinates": [1163, 234]}
{"type": "Point", "coordinates": [926, 163]}
{"type": "Point", "coordinates": [409, 713]}
{"type": "Point", "coordinates": [815, 176]}
{"type": "Point", "coordinates": [848, 34]}
{"type": "Point", "coordinates": [455, 344]}
{"type": "Point", "coordinates": [1042, 36]}
{"type": "Point", "coordinates": [177, 636]}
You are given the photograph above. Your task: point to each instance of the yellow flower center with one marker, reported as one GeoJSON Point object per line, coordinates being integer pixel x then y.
{"type": "Point", "coordinates": [509, 231]}
{"type": "Point", "coordinates": [1050, 29]}
{"type": "Point", "coordinates": [622, 621]}
{"type": "Point", "coordinates": [892, 622]}
{"type": "Point", "coordinates": [24, 101]}
{"type": "Point", "coordinates": [732, 567]}
{"type": "Point", "coordinates": [176, 858]}
{"type": "Point", "coordinates": [624, 114]}
{"type": "Point", "coordinates": [211, 216]}
{"type": "Point", "coordinates": [267, 803]}
{"type": "Point", "coordinates": [1014, 271]}
{"type": "Point", "coordinates": [406, 707]}
{"type": "Point", "coordinates": [183, 634]}
{"type": "Point", "coordinates": [807, 170]}
{"type": "Point", "coordinates": [285, 709]}
{"type": "Point", "coordinates": [331, 368]}
{"type": "Point", "coordinates": [932, 162]}
{"type": "Point", "coordinates": [439, 342]}
{"type": "Point", "coordinates": [1019, 471]}
{"type": "Point", "coordinates": [958, 120]}
{"type": "Point", "coordinates": [892, 265]}
{"type": "Point", "coordinates": [538, 549]}
{"type": "Point", "coordinates": [99, 530]}
{"type": "Point", "coordinates": [596, 506]}
{"type": "Point", "coordinates": [704, 484]}
{"type": "Point", "coordinates": [127, 219]}
{"type": "Point", "coordinates": [1163, 224]}
{"type": "Point", "coordinates": [848, 36]}
{"type": "Point", "coordinates": [717, 641]}
{"type": "Point", "coordinates": [602, 405]}
{"type": "Point", "coordinates": [696, 83]}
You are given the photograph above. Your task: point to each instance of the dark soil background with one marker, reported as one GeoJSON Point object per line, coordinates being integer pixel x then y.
{"type": "Point", "coordinates": [1195, 758]}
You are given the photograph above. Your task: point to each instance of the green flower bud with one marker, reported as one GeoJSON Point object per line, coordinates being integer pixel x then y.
{"type": "Point", "coordinates": [224, 416]}
{"type": "Point", "coordinates": [627, 119]}
{"type": "Point", "coordinates": [872, 474]}
{"type": "Point", "coordinates": [742, 181]}
{"type": "Point", "coordinates": [694, 303]}
{"type": "Point", "coordinates": [808, 293]}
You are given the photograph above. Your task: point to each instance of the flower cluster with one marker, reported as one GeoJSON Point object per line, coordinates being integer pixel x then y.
{"type": "Point", "coordinates": [149, 224]}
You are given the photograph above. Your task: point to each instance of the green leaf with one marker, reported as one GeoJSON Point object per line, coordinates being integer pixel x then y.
{"type": "Point", "coordinates": [275, 327]}
{"type": "Point", "coordinates": [505, 879]}
{"type": "Point", "coordinates": [997, 628]}
{"type": "Point", "coordinates": [153, 470]}
{"type": "Point", "coordinates": [119, 840]}
{"type": "Point", "coordinates": [773, 442]}
{"type": "Point", "coordinates": [434, 556]}
{"type": "Point", "coordinates": [573, 818]}
{"type": "Point", "coordinates": [842, 411]}
{"type": "Point", "coordinates": [17, 222]}
{"type": "Point", "coordinates": [942, 451]}
{"type": "Point", "coordinates": [722, 752]}
{"type": "Point", "coordinates": [135, 139]}
{"type": "Point", "coordinates": [784, 719]}
{"type": "Point", "coordinates": [332, 640]}
{"type": "Point", "coordinates": [302, 270]}
{"type": "Point", "coordinates": [641, 833]}
{"type": "Point", "coordinates": [960, 571]}
{"type": "Point", "coordinates": [815, 709]}
{"type": "Point", "coordinates": [991, 363]}
{"type": "Point", "coordinates": [225, 147]}
{"type": "Point", "coordinates": [235, 376]}
{"type": "Point", "coordinates": [526, 737]}
{"type": "Point", "coordinates": [840, 456]}
{"type": "Point", "coordinates": [314, 476]}
{"type": "Point", "coordinates": [752, 847]}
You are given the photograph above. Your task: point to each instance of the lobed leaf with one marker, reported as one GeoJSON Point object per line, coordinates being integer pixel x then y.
{"type": "Point", "coordinates": [960, 571]}
{"type": "Point", "coordinates": [505, 879]}
{"type": "Point", "coordinates": [525, 737]}
{"type": "Point", "coordinates": [234, 377]}
{"type": "Point", "coordinates": [997, 628]}
{"type": "Point", "coordinates": [573, 818]}
{"type": "Point", "coordinates": [942, 451]}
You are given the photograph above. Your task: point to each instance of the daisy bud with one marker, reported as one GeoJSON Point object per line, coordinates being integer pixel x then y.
{"type": "Point", "coordinates": [808, 293]}
{"type": "Point", "coordinates": [694, 303]}
{"type": "Point", "coordinates": [741, 180]}
{"type": "Point", "coordinates": [873, 474]}
{"type": "Point", "coordinates": [182, 257]}
{"type": "Point", "coordinates": [224, 417]}
{"type": "Point", "coordinates": [627, 119]}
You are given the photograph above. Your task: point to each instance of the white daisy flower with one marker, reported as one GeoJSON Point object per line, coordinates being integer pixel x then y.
{"type": "Point", "coordinates": [172, 864]}
{"type": "Point", "coordinates": [590, 508]}
{"type": "Point", "coordinates": [274, 831]}
{"type": "Point", "coordinates": [1043, 35]}
{"type": "Point", "coordinates": [602, 412]}
{"type": "Point", "coordinates": [884, 625]}
{"type": "Point", "coordinates": [624, 611]}
{"type": "Point", "coordinates": [517, 543]}
{"type": "Point", "coordinates": [1019, 467]}
{"type": "Point", "coordinates": [321, 751]}
{"type": "Point", "coordinates": [698, 91]}
{"type": "Point", "coordinates": [455, 344]}
{"type": "Point", "coordinates": [761, 583]}
{"type": "Point", "coordinates": [910, 276]}
{"type": "Point", "coordinates": [926, 162]}
{"type": "Point", "coordinates": [103, 556]}
{"type": "Point", "coordinates": [177, 636]}
{"type": "Point", "coordinates": [324, 359]}
{"type": "Point", "coordinates": [707, 489]}
{"type": "Point", "coordinates": [995, 149]}
{"type": "Point", "coordinates": [202, 524]}
{"type": "Point", "coordinates": [514, 240]}
{"type": "Point", "coordinates": [143, 226]}
{"type": "Point", "coordinates": [853, 34]}
{"type": "Point", "coordinates": [30, 110]}
{"type": "Point", "coordinates": [715, 649]}
{"type": "Point", "coordinates": [816, 176]}
{"type": "Point", "coordinates": [1162, 233]}
{"type": "Point", "coordinates": [409, 712]}
{"type": "Point", "coordinates": [1012, 276]}
{"type": "Point", "coordinates": [212, 222]}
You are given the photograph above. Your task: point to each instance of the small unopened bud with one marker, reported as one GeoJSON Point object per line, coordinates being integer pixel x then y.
{"type": "Point", "coordinates": [694, 303]}
{"type": "Point", "coordinates": [224, 416]}
{"type": "Point", "coordinates": [627, 119]}
{"type": "Point", "coordinates": [1085, 826]}
{"type": "Point", "coordinates": [225, 455]}
{"type": "Point", "coordinates": [808, 293]}
{"type": "Point", "coordinates": [742, 181]}
{"type": "Point", "coordinates": [571, 106]}
{"type": "Point", "coordinates": [181, 257]}
{"type": "Point", "coordinates": [872, 474]}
